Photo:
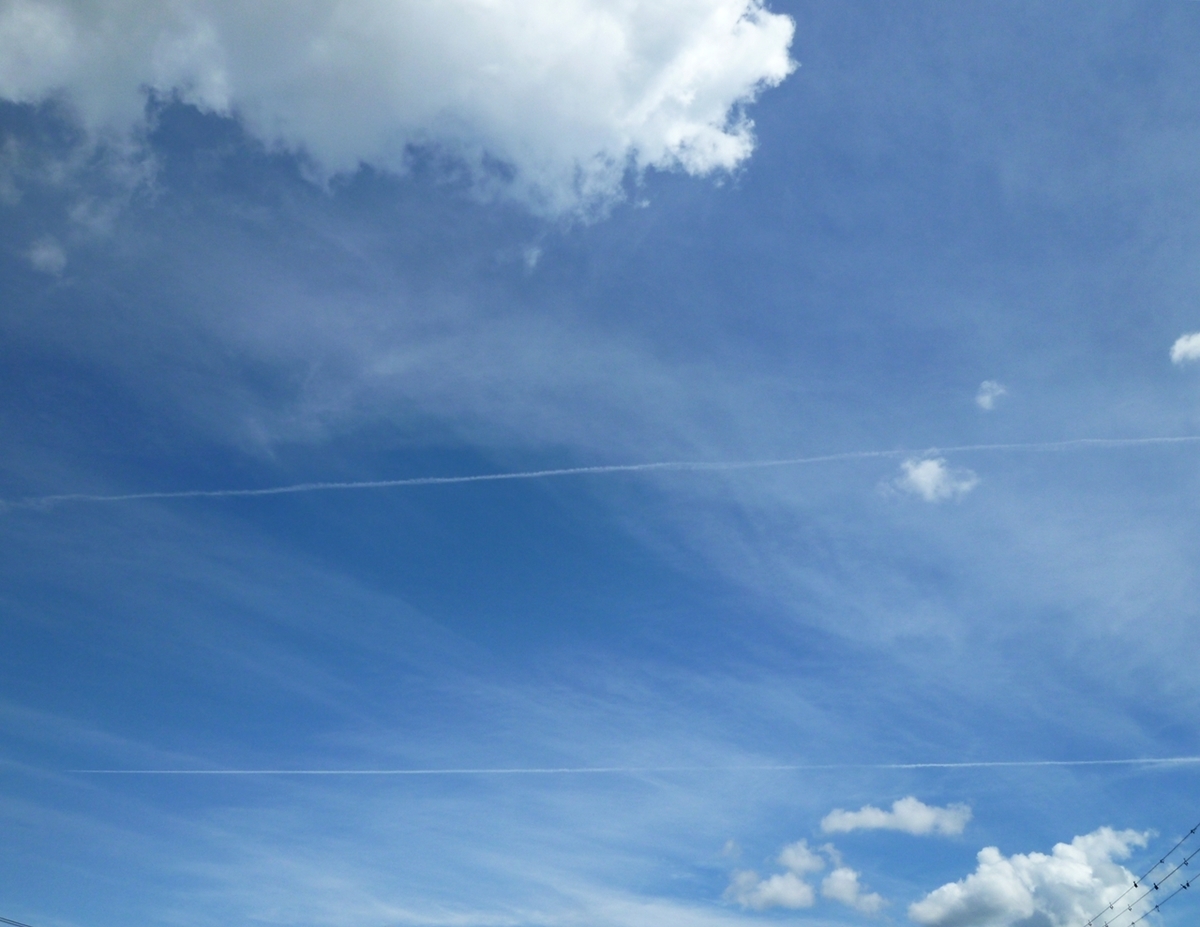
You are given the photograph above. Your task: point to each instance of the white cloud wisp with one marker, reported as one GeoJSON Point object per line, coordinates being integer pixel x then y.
{"type": "Point", "coordinates": [1186, 348]}
{"type": "Point", "coordinates": [908, 814]}
{"type": "Point", "coordinates": [546, 100]}
{"type": "Point", "coordinates": [932, 480]}
{"type": "Point", "coordinates": [989, 392]}
{"type": "Point", "coordinates": [1062, 889]}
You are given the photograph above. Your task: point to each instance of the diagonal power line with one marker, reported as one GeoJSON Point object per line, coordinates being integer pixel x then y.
{"type": "Point", "coordinates": [1141, 882]}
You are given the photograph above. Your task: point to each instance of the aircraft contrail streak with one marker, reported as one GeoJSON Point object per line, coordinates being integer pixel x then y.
{"type": "Point", "coordinates": [666, 465]}
{"type": "Point", "coordinates": [637, 770]}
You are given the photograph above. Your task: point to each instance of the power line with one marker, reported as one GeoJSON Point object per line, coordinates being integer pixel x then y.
{"type": "Point", "coordinates": [1141, 881]}
{"type": "Point", "coordinates": [1155, 886]}
{"type": "Point", "coordinates": [5, 920]}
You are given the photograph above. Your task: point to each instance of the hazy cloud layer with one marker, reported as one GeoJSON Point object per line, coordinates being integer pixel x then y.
{"type": "Point", "coordinates": [47, 256]}
{"type": "Point", "coordinates": [908, 814]}
{"type": "Point", "coordinates": [550, 101]}
{"type": "Point", "coordinates": [932, 480]}
{"type": "Point", "coordinates": [1063, 889]}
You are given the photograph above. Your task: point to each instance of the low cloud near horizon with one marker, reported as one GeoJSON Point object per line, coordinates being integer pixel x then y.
{"type": "Point", "coordinates": [909, 814]}
{"type": "Point", "coordinates": [564, 98]}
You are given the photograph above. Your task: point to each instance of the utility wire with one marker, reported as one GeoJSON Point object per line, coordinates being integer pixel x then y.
{"type": "Point", "coordinates": [5, 920]}
{"type": "Point", "coordinates": [1185, 885]}
{"type": "Point", "coordinates": [1156, 886]}
{"type": "Point", "coordinates": [1141, 880]}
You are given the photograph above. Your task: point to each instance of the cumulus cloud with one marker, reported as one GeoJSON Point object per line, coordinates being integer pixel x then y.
{"type": "Point", "coordinates": [842, 885]}
{"type": "Point", "coordinates": [908, 814]}
{"type": "Point", "coordinates": [550, 100]}
{"type": "Point", "coordinates": [933, 481]}
{"type": "Point", "coordinates": [1186, 348]}
{"type": "Point", "coordinates": [47, 256]}
{"type": "Point", "coordinates": [1063, 889]}
{"type": "Point", "coordinates": [782, 890]}
{"type": "Point", "coordinates": [790, 890]}
{"type": "Point", "coordinates": [989, 392]}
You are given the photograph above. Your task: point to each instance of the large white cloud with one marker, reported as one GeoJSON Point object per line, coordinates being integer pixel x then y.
{"type": "Point", "coordinates": [910, 815]}
{"type": "Point", "coordinates": [1063, 889]}
{"type": "Point", "coordinates": [567, 94]}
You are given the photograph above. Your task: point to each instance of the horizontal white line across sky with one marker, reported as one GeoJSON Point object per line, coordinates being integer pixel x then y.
{"type": "Point", "coordinates": [635, 770]}
{"type": "Point", "coordinates": [666, 465]}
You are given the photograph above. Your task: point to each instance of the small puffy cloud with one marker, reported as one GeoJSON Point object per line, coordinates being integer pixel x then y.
{"type": "Point", "coordinates": [565, 96]}
{"type": "Point", "coordinates": [842, 885]}
{"type": "Point", "coordinates": [1062, 889]}
{"type": "Point", "coordinates": [933, 481]}
{"type": "Point", "coordinates": [908, 814]}
{"type": "Point", "coordinates": [798, 858]}
{"type": "Point", "coordinates": [1186, 348]}
{"type": "Point", "coordinates": [989, 392]}
{"type": "Point", "coordinates": [782, 890]}
{"type": "Point", "coordinates": [47, 256]}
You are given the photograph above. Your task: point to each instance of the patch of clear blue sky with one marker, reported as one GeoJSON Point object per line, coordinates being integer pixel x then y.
{"type": "Point", "coordinates": [940, 195]}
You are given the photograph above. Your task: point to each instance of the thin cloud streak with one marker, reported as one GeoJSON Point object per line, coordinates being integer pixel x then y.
{"type": "Point", "coordinates": [636, 770]}
{"type": "Point", "coordinates": [669, 465]}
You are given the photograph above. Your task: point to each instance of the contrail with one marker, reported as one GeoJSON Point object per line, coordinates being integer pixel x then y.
{"type": "Point", "coordinates": [666, 465]}
{"type": "Point", "coordinates": [638, 770]}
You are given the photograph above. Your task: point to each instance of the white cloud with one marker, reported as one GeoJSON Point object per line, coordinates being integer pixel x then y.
{"type": "Point", "coordinates": [1186, 348]}
{"type": "Point", "coordinates": [789, 890]}
{"type": "Point", "coordinates": [567, 94]}
{"type": "Point", "coordinates": [989, 392]}
{"type": "Point", "coordinates": [798, 858]}
{"type": "Point", "coordinates": [1063, 889]}
{"type": "Point", "coordinates": [842, 885]}
{"type": "Point", "coordinates": [47, 256]}
{"type": "Point", "coordinates": [782, 890]}
{"type": "Point", "coordinates": [908, 814]}
{"type": "Point", "coordinates": [933, 481]}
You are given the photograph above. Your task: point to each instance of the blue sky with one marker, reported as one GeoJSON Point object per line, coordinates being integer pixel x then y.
{"type": "Point", "coordinates": [245, 248]}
